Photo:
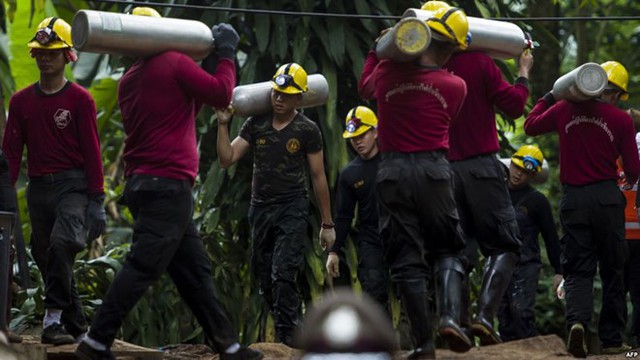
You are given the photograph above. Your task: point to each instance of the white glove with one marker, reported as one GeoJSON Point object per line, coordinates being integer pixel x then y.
{"type": "Point", "coordinates": [333, 265]}
{"type": "Point", "coordinates": [327, 238]}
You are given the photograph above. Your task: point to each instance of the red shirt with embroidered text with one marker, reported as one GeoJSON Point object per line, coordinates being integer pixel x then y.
{"type": "Point", "coordinates": [592, 135]}
{"type": "Point", "coordinates": [416, 104]}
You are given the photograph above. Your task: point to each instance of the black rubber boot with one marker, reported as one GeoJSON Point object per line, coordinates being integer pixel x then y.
{"type": "Point", "coordinates": [414, 297]}
{"type": "Point", "coordinates": [497, 276]}
{"type": "Point", "coordinates": [465, 309]}
{"type": "Point", "coordinates": [449, 274]}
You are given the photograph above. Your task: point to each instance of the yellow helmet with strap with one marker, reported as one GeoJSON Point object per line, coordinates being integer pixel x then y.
{"type": "Point", "coordinates": [451, 24]}
{"type": "Point", "coordinates": [528, 157]}
{"type": "Point", "coordinates": [290, 78]}
{"type": "Point", "coordinates": [53, 33]}
{"type": "Point", "coordinates": [359, 120]}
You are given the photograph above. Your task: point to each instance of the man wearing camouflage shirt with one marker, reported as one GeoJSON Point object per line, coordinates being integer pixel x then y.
{"type": "Point", "coordinates": [284, 141]}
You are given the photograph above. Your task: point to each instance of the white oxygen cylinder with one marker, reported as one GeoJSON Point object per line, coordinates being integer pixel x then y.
{"type": "Point", "coordinates": [255, 99]}
{"type": "Point", "coordinates": [139, 36]}
{"type": "Point", "coordinates": [409, 38]}
{"type": "Point", "coordinates": [498, 39]}
{"type": "Point", "coordinates": [582, 83]}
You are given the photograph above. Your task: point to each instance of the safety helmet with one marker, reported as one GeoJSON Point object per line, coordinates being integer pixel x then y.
{"type": "Point", "coordinates": [434, 5]}
{"type": "Point", "coordinates": [618, 76]}
{"type": "Point", "coordinates": [290, 79]}
{"type": "Point", "coordinates": [451, 24]}
{"type": "Point", "coordinates": [53, 33]}
{"type": "Point", "coordinates": [145, 11]}
{"type": "Point", "coordinates": [359, 120]}
{"type": "Point", "coordinates": [346, 325]}
{"type": "Point", "coordinates": [528, 157]}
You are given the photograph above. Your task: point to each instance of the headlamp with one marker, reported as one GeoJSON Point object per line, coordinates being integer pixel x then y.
{"type": "Point", "coordinates": [45, 36]}
{"type": "Point", "coordinates": [353, 125]}
{"type": "Point", "coordinates": [286, 80]}
{"type": "Point", "coordinates": [530, 163]}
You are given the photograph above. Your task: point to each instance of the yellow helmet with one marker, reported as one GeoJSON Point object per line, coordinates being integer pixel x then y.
{"type": "Point", "coordinates": [145, 11]}
{"type": "Point", "coordinates": [53, 33]}
{"type": "Point", "coordinates": [451, 23]}
{"type": "Point", "coordinates": [359, 120]}
{"type": "Point", "coordinates": [435, 5]}
{"type": "Point", "coordinates": [290, 79]}
{"type": "Point", "coordinates": [618, 76]}
{"type": "Point", "coordinates": [528, 157]}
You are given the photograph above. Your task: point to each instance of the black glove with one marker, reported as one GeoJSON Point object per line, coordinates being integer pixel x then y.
{"type": "Point", "coordinates": [96, 218]}
{"type": "Point", "coordinates": [225, 39]}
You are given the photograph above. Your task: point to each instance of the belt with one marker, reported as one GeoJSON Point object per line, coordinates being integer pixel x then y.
{"type": "Point", "coordinates": [429, 155]}
{"type": "Point", "coordinates": [63, 175]}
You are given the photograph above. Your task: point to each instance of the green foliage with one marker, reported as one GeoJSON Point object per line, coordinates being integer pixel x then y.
{"type": "Point", "coordinates": [334, 47]}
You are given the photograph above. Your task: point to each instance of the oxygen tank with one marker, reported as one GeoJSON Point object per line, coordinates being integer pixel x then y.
{"type": "Point", "coordinates": [255, 99]}
{"type": "Point", "coordinates": [498, 39]}
{"type": "Point", "coordinates": [582, 83]}
{"type": "Point", "coordinates": [405, 41]}
{"type": "Point", "coordinates": [139, 36]}
{"type": "Point", "coordinates": [541, 177]}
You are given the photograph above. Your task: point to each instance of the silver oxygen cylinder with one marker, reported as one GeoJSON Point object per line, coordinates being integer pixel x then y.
{"type": "Point", "coordinates": [405, 41]}
{"type": "Point", "coordinates": [582, 83]}
{"type": "Point", "coordinates": [139, 36]}
{"type": "Point", "coordinates": [498, 39]}
{"type": "Point", "coordinates": [540, 178]}
{"type": "Point", "coordinates": [255, 99]}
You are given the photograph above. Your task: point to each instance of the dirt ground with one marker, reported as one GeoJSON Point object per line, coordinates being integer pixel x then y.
{"type": "Point", "coordinates": [537, 348]}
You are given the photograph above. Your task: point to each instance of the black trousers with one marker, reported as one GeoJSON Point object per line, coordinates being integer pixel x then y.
{"type": "Point", "coordinates": [632, 286]}
{"type": "Point", "coordinates": [279, 232]}
{"type": "Point", "coordinates": [516, 313]}
{"type": "Point", "coordinates": [57, 208]}
{"type": "Point", "coordinates": [419, 221]}
{"type": "Point", "coordinates": [484, 205]}
{"type": "Point", "coordinates": [592, 217]}
{"type": "Point", "coordinates": [373, 271]}
{"type": "Point", "coordinates": [164, 239]}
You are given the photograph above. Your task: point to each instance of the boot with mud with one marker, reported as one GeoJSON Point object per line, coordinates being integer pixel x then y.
{"type": "Point", "coordinates": [497, 276]}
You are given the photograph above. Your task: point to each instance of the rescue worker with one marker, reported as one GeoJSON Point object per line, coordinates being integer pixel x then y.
{"type": "Point", "coordinates": [417, 101]}
{"type": "Point", "coordinates": [159, 97]}
{"type": "Point", "coordinates": [481, 194]}
{"type": "Point", "coordinates": [356, 187]}
{"type": "Point", "coordinates": [56, 120]}
{"type": "Point", "coordinates": [592, 134]}
{"type": "Point", "coordinates": [284, 143]}
{"type": "Point", "coordinates": [516, 314]}
{"type": "Point", "coordinates": [632, 234]}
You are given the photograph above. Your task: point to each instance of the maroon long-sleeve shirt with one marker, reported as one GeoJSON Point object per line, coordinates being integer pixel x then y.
{"type": "Point", "coordinates": [159, 98]}
{"type": "Point", "coordinates": [416, 104]}
{"type": "Point", "coordinates": [474, 131]}
{"type": "Point", "coordinates": [59, 130]}
{"type": "Point", "coordinates": [592, 135]}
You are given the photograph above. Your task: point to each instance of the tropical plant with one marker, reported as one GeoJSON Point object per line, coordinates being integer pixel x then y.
{"type": "Point", "coordinates": [335, 47]}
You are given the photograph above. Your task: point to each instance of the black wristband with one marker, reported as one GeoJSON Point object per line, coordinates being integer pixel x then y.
{"type": "Point", "coordinates": [549, 98]}
{"type": "Point", "coordinates": [328, 226]}
{"type": "Point", "coordinates": [523, 81]}
{"type": "Point", "coordinates": [229, 53]}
